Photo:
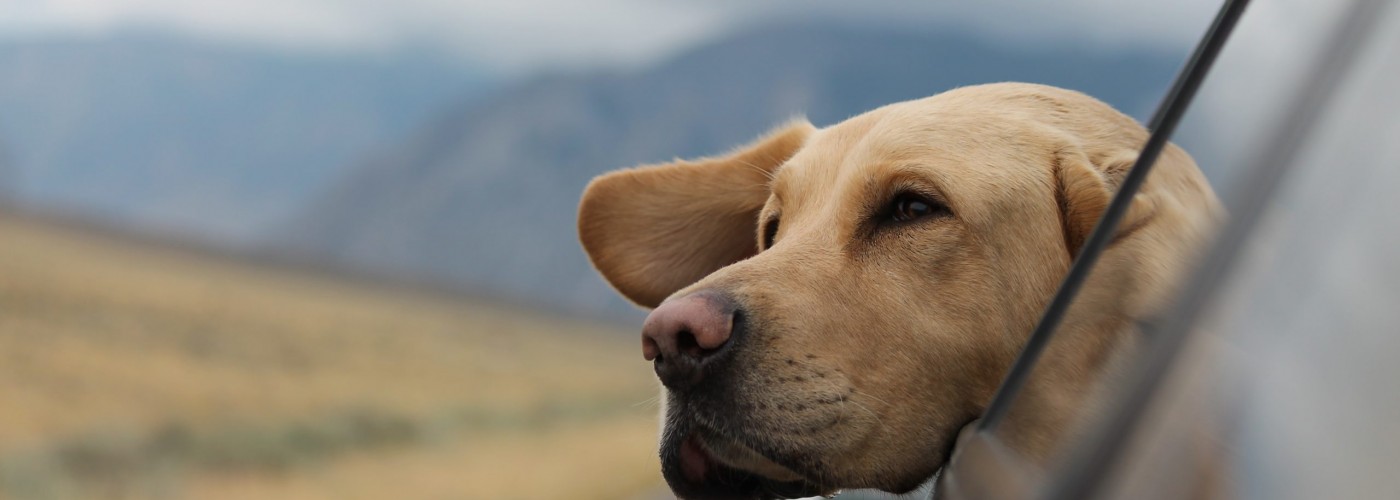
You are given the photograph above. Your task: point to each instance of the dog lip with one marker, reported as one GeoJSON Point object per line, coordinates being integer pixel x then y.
{"type": "Point", "coordinates": [695, 473]}
{"type": "Point", "coordinates": [694, 459]}
{"type": "Point", "coordinates": [736, 455]}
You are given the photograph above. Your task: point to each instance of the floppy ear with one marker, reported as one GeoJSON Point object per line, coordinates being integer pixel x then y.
{"type": "Point", "coordinates": [655, 229]}
{"type": "Point", "coordinates": [1084, 189]}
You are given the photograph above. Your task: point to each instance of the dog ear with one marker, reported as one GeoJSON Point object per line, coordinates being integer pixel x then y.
{"type": "Point", "coordinates": [655, 229]}
{"type": "Point", "coordinates": [1084, 189]}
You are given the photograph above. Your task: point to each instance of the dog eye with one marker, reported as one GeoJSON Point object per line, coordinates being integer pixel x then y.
{"type": "Point", "coordinates": [770, 231]}
{"type": "Point", "coordinates": [907, 207]}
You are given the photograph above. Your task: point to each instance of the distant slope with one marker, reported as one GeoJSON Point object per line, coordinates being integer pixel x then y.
{"type": "Point", "coordinates": [163, 132]}
{"type": "Point", "coordinates": [8, 177]}
{"type": "Point", "coordinates": [486, 197]}
{"type": "Point", "coordinates": [136, 371]}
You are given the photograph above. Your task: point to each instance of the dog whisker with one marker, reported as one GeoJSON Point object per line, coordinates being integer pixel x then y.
{"type": "Point", "coordinates": [863, 394]}
{"type": "Point", "coordinates": [767, 174]}
{"type": "Point", "coordinates": [867, 410]}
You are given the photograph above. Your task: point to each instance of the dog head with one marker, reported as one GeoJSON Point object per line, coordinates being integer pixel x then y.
{"type": "Point", "coordinates": [833, 305]}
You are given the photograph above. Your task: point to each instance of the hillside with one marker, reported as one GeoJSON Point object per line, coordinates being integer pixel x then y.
{"type": "Point", "coordinates": [485, 197]}
{"type": "Point", "coordinates": [170, 133]}
{"type": "Point", "coordinates": [132, 370]}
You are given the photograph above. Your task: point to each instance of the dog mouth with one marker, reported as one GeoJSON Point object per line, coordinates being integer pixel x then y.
{"type": "Point", "coordinates": [700, 464]}
{"type": "Point", "coordinates": [737, 456]}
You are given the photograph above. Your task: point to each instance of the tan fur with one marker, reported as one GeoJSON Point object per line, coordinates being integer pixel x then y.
{"type": "Point", "coordinates": [643, 224]}
{"type": "Point", "coordinates": [872, 345]}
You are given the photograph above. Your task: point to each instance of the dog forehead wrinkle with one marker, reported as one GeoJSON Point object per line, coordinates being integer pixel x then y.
{"type": "Point", "coordinates": [824, 157]}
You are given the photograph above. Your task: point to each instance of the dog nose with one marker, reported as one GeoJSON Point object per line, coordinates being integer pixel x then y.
{"type": "Point", "coordinates": [683, 335]}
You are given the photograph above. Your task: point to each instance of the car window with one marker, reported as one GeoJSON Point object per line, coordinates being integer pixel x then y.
{"type": "Point", "coordinates": [1299, 351]}
{"type": "Point", "coordinates": [1255, 397]}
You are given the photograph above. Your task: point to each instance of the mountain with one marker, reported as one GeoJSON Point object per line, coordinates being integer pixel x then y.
{"type": "Point", "coordinates": [485, 197]}
{"type": "Point", "coordinates": [8, 178]}
{"type": "Point", "coordinates": [167, 133]}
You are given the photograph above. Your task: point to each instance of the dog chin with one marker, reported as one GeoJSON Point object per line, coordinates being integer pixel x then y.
{"type": "Point", "coordinates": [699, 465]}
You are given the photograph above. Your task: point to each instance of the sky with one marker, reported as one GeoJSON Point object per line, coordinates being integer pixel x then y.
{"type": "Point", "coordinates": [528, 35]}
{"type": "Point", "coordinates": [515, 38]}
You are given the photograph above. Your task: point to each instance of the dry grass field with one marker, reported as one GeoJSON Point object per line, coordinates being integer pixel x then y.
{"type": "Point", "coordinates": [136, 371]}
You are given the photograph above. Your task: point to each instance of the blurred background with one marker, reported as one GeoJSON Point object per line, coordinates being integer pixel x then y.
{"type": "Point", "coordinates": [326, 248]}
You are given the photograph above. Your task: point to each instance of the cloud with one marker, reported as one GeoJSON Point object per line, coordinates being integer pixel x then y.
{"type": "Point", "coordinates": [294, 23]}
{"type": "Point", "coordinates": [531, 34]}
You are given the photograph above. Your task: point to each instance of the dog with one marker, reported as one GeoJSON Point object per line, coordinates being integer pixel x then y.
{"type": "Point", "coordinates": [830, 307]}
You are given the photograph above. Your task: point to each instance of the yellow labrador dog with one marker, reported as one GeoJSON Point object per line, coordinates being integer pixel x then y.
{"type": "Point", "coordinates": [831, 306]}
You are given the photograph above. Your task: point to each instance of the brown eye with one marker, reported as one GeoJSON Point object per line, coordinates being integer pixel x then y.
{"type": "Point", "coordinates": [909, 206]}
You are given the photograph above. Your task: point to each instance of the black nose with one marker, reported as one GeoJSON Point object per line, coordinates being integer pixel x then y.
{"type": "Point", "coordinates": [685, 335]}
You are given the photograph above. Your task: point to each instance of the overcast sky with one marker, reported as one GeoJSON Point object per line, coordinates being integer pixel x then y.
{"type": "Point", "coordinates": [516, 35]}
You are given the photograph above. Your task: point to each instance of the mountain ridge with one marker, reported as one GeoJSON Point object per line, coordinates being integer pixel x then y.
{"type": "Point", "coordinates": [486, 196]}
{"type": "Point", "coordinates": [200, 138]}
